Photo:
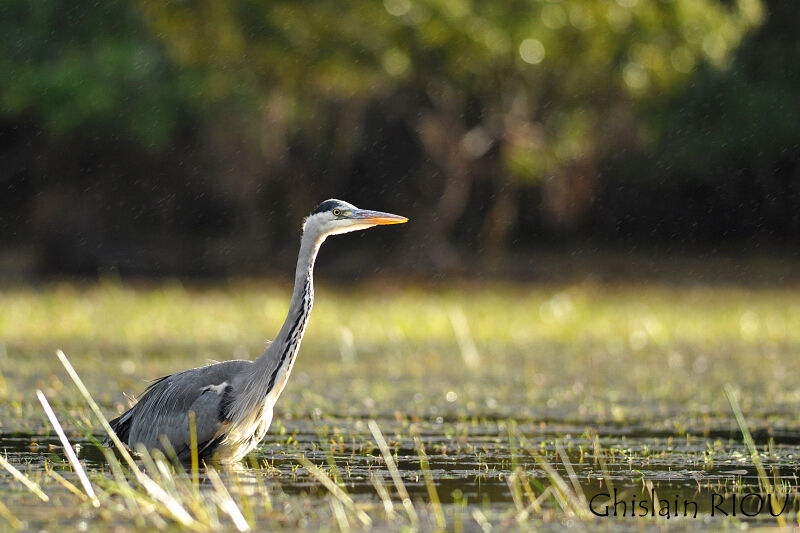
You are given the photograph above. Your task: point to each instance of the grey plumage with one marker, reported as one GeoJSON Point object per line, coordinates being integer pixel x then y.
{"type": "Point", "coordinates": [233, 400]}
{"type": "Point", "coordinates": [163, 408]}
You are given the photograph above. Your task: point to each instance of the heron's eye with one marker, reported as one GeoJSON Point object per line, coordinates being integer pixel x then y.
{"type": "Point", "coordinates": [337, 212]}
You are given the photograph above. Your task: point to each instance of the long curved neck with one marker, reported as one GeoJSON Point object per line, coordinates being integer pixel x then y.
{"type": "Point", "coordinates": [258, 390]}
{"type": "Point", "coordinates": [276, 362]}
{"type": "Point", "coordinates": [302, 295]}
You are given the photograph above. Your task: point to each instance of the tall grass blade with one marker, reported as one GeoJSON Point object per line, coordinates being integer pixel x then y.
{"type": "Point", "coordinates": [600, 457]}
{"type": "Point", "coordinates": [482, 521]}
{"type": "Point", "coordinates": [466, 344]}
{"type": "Point", "coordinates": [193, 448]}
{"type": "Point", "coordinates": [516, 495]}
{"type": "Point", "coordinates": [262, 488]}
{"type": "Point", "coordinates": [123, 487]}
{"type": "Point", "coordinates": [573, 477]}
{"type": "Point", "coordinates": [335, 490]}
{"type": "Point", "coordinates": [228, 505]}
{"type": "Point", "coordinates": [763, 478]}
{"type": "Point", "coordinates": [383, 494]}
{"type": "Point", "coordinates": [175, 508]}
{"type": "Point", "coordinates": [61, 480]}
{"type": "Point", "coordinates": [394, 472]}
{"type": "Point", "coordinates": [71, 456]}
{"type": "Point", "coordinates": [347, 345]}
{"type": "Point", "coordinates": [12, 520]}
{"type": "Point", "coordinates": [433, 494]}
{"type": "Point", "coordinates": [341, 517]}
{"type": "Point", "coordinates": [568, 499]}
{"type": "Point", "coordinates": [22, 478]}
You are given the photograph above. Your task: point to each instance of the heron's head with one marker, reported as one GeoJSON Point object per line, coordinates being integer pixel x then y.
{"type": "Point", "coordinates": [336, 216]}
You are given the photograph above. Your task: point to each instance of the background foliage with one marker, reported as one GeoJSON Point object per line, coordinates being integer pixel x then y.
{"type": "Point", "coordinates": [192, 137]}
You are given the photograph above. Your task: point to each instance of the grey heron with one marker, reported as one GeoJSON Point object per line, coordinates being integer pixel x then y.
{"type": "Point", "coordinates": [233, 400]}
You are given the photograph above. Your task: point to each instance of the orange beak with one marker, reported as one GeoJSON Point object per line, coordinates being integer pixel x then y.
{"type": "Point", "coordinates": [378, 218]}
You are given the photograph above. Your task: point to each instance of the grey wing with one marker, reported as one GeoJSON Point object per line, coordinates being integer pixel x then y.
{"type": "Point", "coordinates": [163, 410]}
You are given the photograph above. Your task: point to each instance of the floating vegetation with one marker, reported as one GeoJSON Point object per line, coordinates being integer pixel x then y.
{"type": "Point", "coordinates": [406, 434]}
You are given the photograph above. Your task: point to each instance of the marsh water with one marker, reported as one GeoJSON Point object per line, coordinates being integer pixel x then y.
{"type": "Point", "coordinates": [630, 410]}
{"type": "Point", "coordinates": [620, 469]}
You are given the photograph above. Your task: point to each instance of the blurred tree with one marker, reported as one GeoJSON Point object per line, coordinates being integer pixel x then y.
{"type": "Point", "coordinates": [503, 92]}
{"type": "Point", "coordinates": [83, 87]}
{"type": "Point", "coordinates": [454, 109]}
{"type": "Point", "coordinates": [77, 63]}
{"type": "Point", "coordinates": [726, 150]}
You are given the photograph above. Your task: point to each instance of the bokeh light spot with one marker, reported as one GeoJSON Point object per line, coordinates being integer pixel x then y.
{"type": "Point", "coordinates": [396, 62]}
{"type": "Point", "coordinates": [531, 51]}
{"type": "Point", "coordinates": [398, 8]}
{"type": "Point", "coordinates": [682, 59]}
{"type": "Point", "coordinates": [635, 76]}
{"type": "Point", "coordinates": [554, 16]}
